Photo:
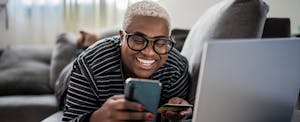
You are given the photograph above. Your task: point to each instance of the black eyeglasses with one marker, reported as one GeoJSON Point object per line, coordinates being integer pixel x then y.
{"type": "Point", "coordinates": [138, 42]}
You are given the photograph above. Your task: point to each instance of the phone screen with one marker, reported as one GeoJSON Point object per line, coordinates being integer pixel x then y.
{"type": "Point", "coordinates": [144, 91]}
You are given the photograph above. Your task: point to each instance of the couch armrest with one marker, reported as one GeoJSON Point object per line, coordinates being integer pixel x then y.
{"type": "Point", "coordinates": [56, 117]}
{"type": "Point", "coordinates": [27, 108]}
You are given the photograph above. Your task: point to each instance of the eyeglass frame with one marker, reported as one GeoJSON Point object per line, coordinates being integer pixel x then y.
{"type": "Point", "coordinates": [155, 39]}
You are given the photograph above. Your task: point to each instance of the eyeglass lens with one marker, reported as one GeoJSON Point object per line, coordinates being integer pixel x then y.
{"type": "Point", "coordinates": [138, 43]}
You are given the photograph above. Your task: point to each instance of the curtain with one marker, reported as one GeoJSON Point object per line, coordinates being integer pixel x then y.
{"type": "Point", "coordinates": [40, 21]}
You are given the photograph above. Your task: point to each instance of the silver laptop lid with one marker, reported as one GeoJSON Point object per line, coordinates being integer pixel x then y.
{"type": "Point", "coordinates": [248, 80]}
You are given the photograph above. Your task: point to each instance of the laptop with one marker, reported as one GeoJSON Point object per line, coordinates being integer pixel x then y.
{"type": "Point", "coordinates": [248, 80]}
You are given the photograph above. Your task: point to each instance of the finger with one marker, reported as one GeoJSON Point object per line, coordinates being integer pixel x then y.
{"type": "Point", "coordinates": [133, 116]}
{"type": "Point", "coordinates": [178, 116]}
{"type": "Point", "coordinates": [176, 100]}
{"type": "Point", "coordinates": [123, 104]}
{"type": "Point", "coordinates": [120, 103]}
{"type": "Point", "coordinates": [182, 101]}
{"type": "Point", "coordinates": [185, 114]}
{"type": "Point", "coordinates": [116, 97]}
{"type": "Point", "coordinates": [170, 114]}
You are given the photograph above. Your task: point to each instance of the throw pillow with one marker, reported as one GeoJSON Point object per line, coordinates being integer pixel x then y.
{"type": "Point", "coordinates": [63, 53]}
{"type": "Point", "coordinates": [226, 19]}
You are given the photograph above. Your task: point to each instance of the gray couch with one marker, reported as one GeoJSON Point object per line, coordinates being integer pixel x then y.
{"type": "Point", "coordinates": [33, 99]}
{"type": "Point", "coordinates": [24, 91]}
{"type": "Point", "coordinates": [29, 75]}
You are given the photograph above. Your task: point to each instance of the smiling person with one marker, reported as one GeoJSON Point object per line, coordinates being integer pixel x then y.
{"type": "Point", "coordinates": [143, 49]}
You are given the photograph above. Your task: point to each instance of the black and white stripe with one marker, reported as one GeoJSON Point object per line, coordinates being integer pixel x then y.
{"type": "Point", "coordinates": [97, 75]}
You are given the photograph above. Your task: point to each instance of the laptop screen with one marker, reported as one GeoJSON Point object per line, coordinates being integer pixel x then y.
{"type": "Point", "coordinates": [248, 80]}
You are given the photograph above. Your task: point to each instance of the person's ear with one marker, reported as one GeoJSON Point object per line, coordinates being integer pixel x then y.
{"type": "Point", "coordinates": [121, 33]}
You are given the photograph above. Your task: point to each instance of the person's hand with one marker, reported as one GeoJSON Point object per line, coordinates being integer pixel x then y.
{"type": "Point", "coordinates": [87, 38]}
{"type": "Point", "coordinates": [117, 108]}
{"type": "Point", "coordinates": [182, 115]}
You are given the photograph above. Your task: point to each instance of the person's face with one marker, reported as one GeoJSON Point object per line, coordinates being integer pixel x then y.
{"type": "Point", "coordinates": [144, 63]}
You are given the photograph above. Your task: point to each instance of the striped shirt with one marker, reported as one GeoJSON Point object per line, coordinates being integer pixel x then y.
{"type": "Point", "coordinates": [97, 75]}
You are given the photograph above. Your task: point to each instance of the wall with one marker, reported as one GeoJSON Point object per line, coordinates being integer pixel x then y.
{"type": "Point", "coordinates": [4, 36]}
{"type": "Point", "coordinates": [40, 21]}
{"type": "Point", "coordinates": [286, 8]}
{"type": "Point", "coordinates": [186, 12]}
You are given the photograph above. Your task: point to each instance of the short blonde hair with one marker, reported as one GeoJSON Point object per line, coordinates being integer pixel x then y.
{"type": "Point", "coordinates": [146, 8]}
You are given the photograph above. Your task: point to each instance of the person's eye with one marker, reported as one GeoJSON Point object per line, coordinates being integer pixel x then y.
{"type": "Point", "coordinates": [161, 43]}
{"type": "Point", "coordinates": [139, 41]}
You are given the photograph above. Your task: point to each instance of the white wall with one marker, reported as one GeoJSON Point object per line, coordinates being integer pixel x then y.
{"type": "Point", "coordinates": [286, 8]}
{"type": "Point", "coordinates": [185, 13]}
{"type": "Point", "coordinates": [4, 35]}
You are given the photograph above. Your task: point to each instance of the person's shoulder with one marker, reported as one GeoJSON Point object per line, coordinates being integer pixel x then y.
{"type": "Point", "coordinates": [176, 60]}
{"type": "Point", "coordinates": [110, 41]}
{"type": "Point", "coordinates": [110, 45]}
{"type": "Point", "coordinates": [176, 57]}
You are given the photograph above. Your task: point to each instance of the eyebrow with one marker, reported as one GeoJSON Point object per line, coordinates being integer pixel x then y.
{"type": "Point", "coordinates": [142, 34]}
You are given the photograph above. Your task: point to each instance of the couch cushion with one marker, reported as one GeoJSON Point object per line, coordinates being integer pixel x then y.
{"type": "Point", "coordinates": [63, 53]}
{"type": "Point", "coordinates": [27, 108]}
{"type": "Point", "coordinates": [39, 53]}
{"type": "Point", "coordinates": [226, 19]}
{"type": "Point", "coordinates": [24, 74]}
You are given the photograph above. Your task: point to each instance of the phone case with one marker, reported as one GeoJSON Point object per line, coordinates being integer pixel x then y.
{"type": "Point", "coordinates": [144, 91]}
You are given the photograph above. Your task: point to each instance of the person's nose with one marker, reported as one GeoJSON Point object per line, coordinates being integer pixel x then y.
{"type": "Point", "coordinates": [149, 50]}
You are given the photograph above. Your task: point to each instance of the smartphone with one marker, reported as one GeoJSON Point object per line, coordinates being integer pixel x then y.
{"type": "Point", "coordinates": [144, 91]}
{"type": "Point", "coordinates": [174, 107]}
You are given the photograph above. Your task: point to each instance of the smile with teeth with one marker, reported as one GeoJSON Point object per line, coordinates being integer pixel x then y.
{"type": "Point", "coordinates": [146, 62]}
